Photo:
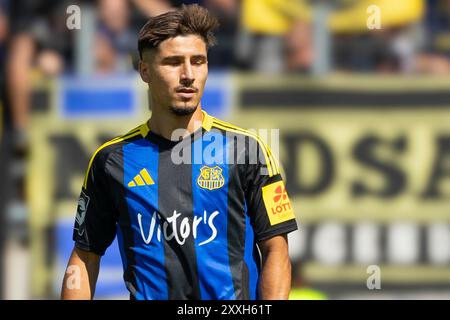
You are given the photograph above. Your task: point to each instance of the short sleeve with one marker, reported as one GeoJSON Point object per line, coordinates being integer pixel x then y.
{"type": "Point", "coordinates": [270, 210]}
{"type": "Point", "coordinates": [95, 220]}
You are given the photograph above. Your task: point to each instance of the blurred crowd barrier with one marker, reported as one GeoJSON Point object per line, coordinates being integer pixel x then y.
{"type": "Point", "coordinates": [366, 160]}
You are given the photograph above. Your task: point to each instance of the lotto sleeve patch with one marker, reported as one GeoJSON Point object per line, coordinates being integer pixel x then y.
{"type": "Point", "coordinates": [277, 203]}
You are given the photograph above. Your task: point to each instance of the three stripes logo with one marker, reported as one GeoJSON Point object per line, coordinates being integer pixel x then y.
{"type": "Point", "coordinates": [141, 179]}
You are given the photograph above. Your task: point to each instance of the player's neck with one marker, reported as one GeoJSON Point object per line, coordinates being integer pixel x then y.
{"type": "Point", "coordinates": [165, 123]}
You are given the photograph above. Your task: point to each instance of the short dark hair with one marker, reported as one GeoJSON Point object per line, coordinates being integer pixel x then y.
{"type": "Point", "coordinates": [189, 19]}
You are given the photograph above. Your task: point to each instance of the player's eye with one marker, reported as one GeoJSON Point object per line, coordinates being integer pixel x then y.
{"type": "Point", "coordinates": [171, 62]}
{"type": "Point", "coordinates": [199, 61]}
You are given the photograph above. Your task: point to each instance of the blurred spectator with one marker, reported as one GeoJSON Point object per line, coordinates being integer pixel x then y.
{"type": "Point", "coordinates": [264, 23]}
{"type": "Point", "coordinates": [227, 12]}
{"type": "Point", "coordinates": [390, 49]}
{"type": "Point", "coordinates": [299, 47]}
{"type": "Point", "coordinates": [33, 36]}
{"type": "Point", "coordinates": [38, 38]}
{"type": "Point", "coordinates": [4, 154]}
{"type": "Point", "coordinates": [435, 58]}
{"type": "Point", "coordinates": [152, 8]}
{"type": "Point", "coordinates": [3, 33]}
{"type": "Point", "coordinates": [365, 52]}
{"type": "Point", "coordinates": [437, 24]}
{"type": "Point", "coordinates": [115, 40]}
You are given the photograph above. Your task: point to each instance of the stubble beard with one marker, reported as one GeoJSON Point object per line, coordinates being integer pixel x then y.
{"type": "Point", "coordinates": [183, 110]}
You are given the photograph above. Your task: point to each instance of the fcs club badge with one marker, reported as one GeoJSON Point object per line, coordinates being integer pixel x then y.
{"type": "Point", "coordinates": [210, 178]}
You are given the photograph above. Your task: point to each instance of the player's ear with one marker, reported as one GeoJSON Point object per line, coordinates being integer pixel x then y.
{"type": "Point", "coordinates": [144, 71]}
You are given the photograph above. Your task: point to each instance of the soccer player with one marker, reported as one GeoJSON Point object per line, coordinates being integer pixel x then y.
{"type": "Point", "coordinates": [191, 224]}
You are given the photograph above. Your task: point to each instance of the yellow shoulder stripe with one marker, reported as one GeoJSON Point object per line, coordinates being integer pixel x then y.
{"type": "Point", "coordinates": [266, 148]}
{"type": "Point", "coordinates": [272, 166]}
{"type": "Point", "coordinates": [207, 121]}
{"type": "Point", "coordinates": [131, 134]}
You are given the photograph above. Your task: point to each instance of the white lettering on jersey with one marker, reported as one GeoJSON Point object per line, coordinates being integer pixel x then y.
{"type": "Point", "coordinates": [185, 227]}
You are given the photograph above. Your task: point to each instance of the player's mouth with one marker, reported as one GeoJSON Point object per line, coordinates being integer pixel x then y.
{"type": "Point", "coordinates": [186, 93]}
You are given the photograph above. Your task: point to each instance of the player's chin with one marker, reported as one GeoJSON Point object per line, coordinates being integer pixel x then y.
{"type": "Point", "coordinates": [184, 109]}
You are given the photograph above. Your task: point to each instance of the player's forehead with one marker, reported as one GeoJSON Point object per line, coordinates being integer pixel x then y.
{"type": "Point", "coordinates": [183, 45]}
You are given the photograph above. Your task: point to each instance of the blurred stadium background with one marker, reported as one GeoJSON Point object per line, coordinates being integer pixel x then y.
{"type": "Point", "coordinates": [363, 116]}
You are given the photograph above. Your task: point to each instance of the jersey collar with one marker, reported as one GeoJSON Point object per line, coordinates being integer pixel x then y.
{"type": "Point", "coordinates": [207, 122]}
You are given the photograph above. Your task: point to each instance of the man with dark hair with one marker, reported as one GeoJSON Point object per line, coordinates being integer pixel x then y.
{"type": "Point", "coordinates": [191, 223]}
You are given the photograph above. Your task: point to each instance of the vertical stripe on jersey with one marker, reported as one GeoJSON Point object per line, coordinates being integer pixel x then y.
{"type": "Point", "coordinates": [175, 197]}
{"type": "Point", "coordinates": [251, 257]}
{"type": "Point", "coordinates": [149, 257]}
{"type": "Point", "coordinates": [236, 224]}
{"type": "Point", "coordinates": [124, 233]}
{"type": "Point", "coordinates": [210, 220]}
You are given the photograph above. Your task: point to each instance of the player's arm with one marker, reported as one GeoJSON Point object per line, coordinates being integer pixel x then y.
{"type": "Point", "coordinates": [275, 282]}
{"type": "Point", "coordinates": [272, 218]}
{"type": "Point", "coordinates": [93, 232]}
{"type": "Point", "coordinates": [81, 275]}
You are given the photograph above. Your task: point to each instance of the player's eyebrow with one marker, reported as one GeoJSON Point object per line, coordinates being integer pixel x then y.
{"type": "Point", "coordinates": [176, 58]}
{"type": "Point", "coordinates": [199, 57]}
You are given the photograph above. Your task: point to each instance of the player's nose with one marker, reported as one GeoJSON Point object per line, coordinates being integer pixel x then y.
{"type": "Point", "coordinates": [187, 72]}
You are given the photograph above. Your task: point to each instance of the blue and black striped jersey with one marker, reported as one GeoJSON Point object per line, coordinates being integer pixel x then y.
{"type": "Point", "coordinates": [188, 214]}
